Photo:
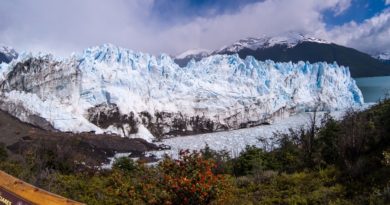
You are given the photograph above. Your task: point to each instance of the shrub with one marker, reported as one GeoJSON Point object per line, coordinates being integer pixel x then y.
{"type": "Point", "coordinates": [319, 187]}
{"type": "Point", "coordinates": [223, 161]}
{"type": "Point", "coordinates": [249, 161]}
{"type": "Point", "coordinates": [190, 180]}
{"type": "Point", "coordinates": [3, 152]}
{"type": "Point", "coordinates": [125, 164]}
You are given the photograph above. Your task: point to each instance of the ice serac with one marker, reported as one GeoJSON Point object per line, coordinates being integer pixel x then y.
{"type": "Point", "coordinates": [133, 94]}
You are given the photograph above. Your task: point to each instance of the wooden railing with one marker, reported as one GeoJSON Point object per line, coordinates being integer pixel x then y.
{"type": "Point", "coordinates": [14, 191]}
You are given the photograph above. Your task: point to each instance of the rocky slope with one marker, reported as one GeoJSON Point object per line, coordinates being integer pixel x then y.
{"type": "Point", "coordinates": [94, 150]}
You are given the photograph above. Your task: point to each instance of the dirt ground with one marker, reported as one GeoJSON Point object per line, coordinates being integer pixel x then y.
{"type": "Point", "coordinates": [18, 136]}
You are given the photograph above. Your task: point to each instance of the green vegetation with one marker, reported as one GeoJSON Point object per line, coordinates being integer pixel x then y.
{"type": "Point", "coordinates": [339, 162]}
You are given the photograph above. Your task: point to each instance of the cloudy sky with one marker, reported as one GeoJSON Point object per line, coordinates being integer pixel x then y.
{"type": "Point", "coordinates": [173, 26]}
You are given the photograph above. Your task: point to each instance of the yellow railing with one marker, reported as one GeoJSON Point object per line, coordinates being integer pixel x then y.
{"type": "Point", "coordinates": [28, 192]}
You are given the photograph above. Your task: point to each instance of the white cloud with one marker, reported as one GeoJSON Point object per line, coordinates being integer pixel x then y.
{"type": "Point", "coordinates": [72, 25]}
{"type": "Point", "coordinates": [263, 18]}
{"type": "Point", "coordinates": [342, 6]}
{"type": "Point", "coordinates": [372, 35]}
{"type": "Point", "coordinates": [387, 2]}
{"type": "Point", "coordinates": [63, 26]}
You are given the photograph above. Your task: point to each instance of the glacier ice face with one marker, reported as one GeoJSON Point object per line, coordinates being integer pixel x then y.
{"type": "Point", "coordinates": [115, 90]}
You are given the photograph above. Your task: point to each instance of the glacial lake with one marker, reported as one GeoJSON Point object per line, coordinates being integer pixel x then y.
{"type": "Point", "coordinates": [374, 88]}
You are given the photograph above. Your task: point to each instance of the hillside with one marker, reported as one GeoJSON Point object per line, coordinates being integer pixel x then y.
{"type": "Point", "coordinates": [20, 138]}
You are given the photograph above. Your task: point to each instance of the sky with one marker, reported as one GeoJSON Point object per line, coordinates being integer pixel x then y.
{"type": "Point", "coordinates": [174, 26]}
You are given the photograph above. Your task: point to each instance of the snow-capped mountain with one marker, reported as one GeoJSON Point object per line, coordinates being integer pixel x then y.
{"type": "Point", "coordinates": [194, 52]}
{"type": "Point", "coordinates": [296, 47]}
{"type": "Point", "coordinates": [116, 90]}
{"type": "Point", "coordinates": [385, 56]}
{"type": "Point", "coordinates": [289, 40]}
{"type": "Point", "coordinates": [197, 54]}
{"type": "Point", "coordinates": [7, 54]}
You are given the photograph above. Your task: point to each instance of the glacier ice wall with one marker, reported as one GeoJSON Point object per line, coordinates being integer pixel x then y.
{"type": "Point", "coordinates": [115, 90]}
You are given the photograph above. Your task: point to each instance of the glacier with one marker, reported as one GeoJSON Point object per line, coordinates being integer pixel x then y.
{"type": "Point", "coordinates": [108, 89]}
{"type": "Point", "coordinates": [235, 141]}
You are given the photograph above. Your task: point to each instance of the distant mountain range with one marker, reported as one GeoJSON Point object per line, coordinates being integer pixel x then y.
{"type": "Point", "coordinates": [297, 47]}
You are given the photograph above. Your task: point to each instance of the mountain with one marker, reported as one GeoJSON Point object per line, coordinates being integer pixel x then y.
{"type": "Point", "coordinates": [183, 58]}
{"type": "Point", "coordinates": [384, 57]}
{"type": "Point", "coordinates": [288, 40]}
{"type": "Point", "coordinates": [107, 89]}
{"type": "Point", "coordinates": [296, 47]}
{"type": "Point", "coordinates": [7, 54]}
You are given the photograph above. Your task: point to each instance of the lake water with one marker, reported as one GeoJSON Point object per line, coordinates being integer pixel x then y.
{"type": "Point", "coordinates": [374, 88]}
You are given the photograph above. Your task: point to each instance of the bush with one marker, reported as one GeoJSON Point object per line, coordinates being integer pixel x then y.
{"type": "Point", "coordinates": [223, 161]}
{"type": "Point", "coordinates": [327, 142]}
{"type": "Point", "coordinates": [297, 188]}
{"type": "Point", "coordinates": [125, 164]}
{"type": "Point", "coordinates": [190, 180]}
{"type": "Point", "coordinates": [250, 160]}
{"type": "Point", "coordinates": [3, 152]}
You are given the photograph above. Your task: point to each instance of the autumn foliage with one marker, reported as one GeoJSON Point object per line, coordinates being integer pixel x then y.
{"type": "Point", "coordinates": [190, 179]}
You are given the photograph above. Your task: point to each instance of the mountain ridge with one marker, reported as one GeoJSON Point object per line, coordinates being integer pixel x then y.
{"type": "Point", "coordinates": [297, 47]}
